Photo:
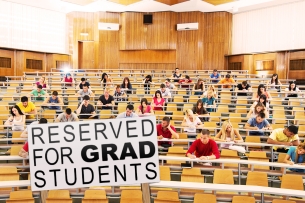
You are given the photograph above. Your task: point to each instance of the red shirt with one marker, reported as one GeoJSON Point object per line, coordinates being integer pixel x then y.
{"type": "Point", "coordinates": [26, 147]}
{"type": "Point", "coordinates": [165, 134]}
{"type": "Point", "coordinates": [204, 149]}
{"type": "Point", "coordinates": [183, 81]}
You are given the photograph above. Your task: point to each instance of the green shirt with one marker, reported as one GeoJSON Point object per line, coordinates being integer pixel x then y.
{"type": "Point", "coordinates": [38, 96]}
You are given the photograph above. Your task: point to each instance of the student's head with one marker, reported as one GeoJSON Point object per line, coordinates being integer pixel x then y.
{"type": "Point", "coordinates": [292, 86]}
{"type": "Point", "coordinates": [39, 88]}
{"type": "Point", "coordinates": [210, 94]}
{"type": "Point", "coordinates": [24, 101]}
{"type": "Point", "coordinates": [301, 149]}
{"type": "Point", "coordinates": [85, 88]}
{"type": "Point", "coordinates": [263, 99]}
{"type": "Point", "coordinates": [16, 111]}
{"type": "Point", "coordinates": [129, 109]}
{"type": "Point", "coordinates": [43, 121]}
{"type": "Point", "coordinates": [148, 78]}
{"type": "Point", "coordinates": [227, 128]}
{"type": "Point", "coordinates": [165, 122]}
{"type": "Point", "coordinates": [68, 75]}
{"type": "Point", "coordinates": [189, 114]}
{"type": "Point", "coordinates": [68, 112]}
{"type": "Point", "coordinates": [228, 77]}
{"type": "Point", "coordinates": [54, 94]}
{"type": "Point", "coordinates": [158, 94]}
{"type": "Point", "coordinates": [118, 88]}
{"type": "Point", "coordinates": [86, 99]}
{"type": "Point", "coordinates": [176, 70]}
{"type": "Point", "coordinates": [144, 102]}
{"type": "Point", "coordinates": [199, 83]}
{"type": "Point", "coordinates": [187, 78]}
{"type": "Point", "coordinates": [199, 104]}
{"type": "Point", "coordinates": [106, 92]}
{"type": "Point", "coordinates": [126, 81]}
{"type": "Point", "coordinates": [291, 131]}
{"type": "Point", "coordinates": [104, 77]}
{"type": "Point", "coordinates": [167, 82]}
{"type": "Point", "coordinates": [211, 88]}
{"type": "Point", "coordinates": [162, 87]}
{"type": "Point", "coordinates": [215, 72]}
{"type": "Point", "coordinates": [259, 108]}
{"type": "Point", "coordinates": [244, 84]}
{"type": "Point", "coordinates": [42, 80]}
{"type": "Point", "coordinates": [83, 80]}
{"type": "Point", "coordinates": [260, 117]}
{"type": "Point", "coordinates": [274, 78]}
{"type": "Point", "coordinates": [261, 89]}
{"type": "Point", "coordinates": [205, 136]}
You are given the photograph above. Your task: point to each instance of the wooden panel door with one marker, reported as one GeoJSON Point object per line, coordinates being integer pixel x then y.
{"type": "Point", "coordinates": [86, 55]}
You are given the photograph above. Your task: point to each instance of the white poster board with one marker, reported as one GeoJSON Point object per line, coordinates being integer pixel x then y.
{"type": "Point", "coordinates": [93, 153]}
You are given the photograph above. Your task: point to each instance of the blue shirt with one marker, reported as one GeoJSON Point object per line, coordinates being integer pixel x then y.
{"type": "Point", "coordinates": [252, 122]}
{"type": "Point", "coordinates": [208, 101]}
{"type": "Point", "coordinates": [292, 153]}
{"type": "Point", "coordinates": [215, 77]}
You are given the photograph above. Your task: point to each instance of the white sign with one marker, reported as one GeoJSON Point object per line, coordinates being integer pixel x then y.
{"type": "Point", "coordinates": [93, 153]}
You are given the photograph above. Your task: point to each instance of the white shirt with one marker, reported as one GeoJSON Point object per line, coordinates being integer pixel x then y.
{"type": "Point", "coordinates": [123, 115]}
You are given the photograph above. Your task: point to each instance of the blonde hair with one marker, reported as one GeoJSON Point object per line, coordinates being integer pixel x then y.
{"type": "Point", "coordinates": [224, 127]}
{"type": "Point", "coordinates": [211, 88]}
{"type": "Point", "coordinates": [259, 104]}
{"type": "Point", "coordinates": [188, 113]}
{"type": "Point", "coordinates": [107, 89]}
{"type": "Point", "coordinates": [300, 146]}
{"type": "Point", "coordinates": [210, 92]}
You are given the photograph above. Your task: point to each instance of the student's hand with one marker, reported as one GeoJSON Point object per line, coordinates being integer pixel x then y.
{"type": "Point", "coordinates": [83, 102]}
{"type": "Point", "coordinates": [192, 157]}
{"type": "Point", "coordinates": [235, 141]}
{"type": "Point", "coordinates": [25, 155]}
{"type": "Point", "coordinates": [203, 158]}
{"type": "Point", "coordinates": [160, 137]}
{"type": "Point", "coordinates": [290, 162]}
{"type": "Point", "coordinates": [287, 143]}
{"type": "Point", "coordinates": [169, 126]}
{"type": "Point", "coordinates": [255, 128]}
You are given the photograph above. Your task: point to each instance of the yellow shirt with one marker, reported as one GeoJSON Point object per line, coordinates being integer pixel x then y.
{"type": "Point", "coordinates": [29, 108]}
{"type": "Point", "coordinates": [225, 81]}
{"type": "Point", "coordinates": [279, 136]}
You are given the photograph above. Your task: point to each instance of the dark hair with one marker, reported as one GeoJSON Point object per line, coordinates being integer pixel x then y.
{"type": "Point", "coordinates": [158, 91]}
{"type": "Point", "coordinates": [24, 99]}
{"type": "Point", "coordinates": [55, 93]}
{"type": "Point", "coordinates": [167, 79]}
{"type": "Point", "coordinates": [130, 107]}
{"type": "Point", "coordinates": [265, 99]}
{"type": "Point", "coordinates": [103, 77]}
{"type": "Point", "coordinates": [86, 97]}
{"type": "Point", "coordinates": [18, 109]}
{"type": "Point", "coordinates": [162, 85]}
{"type": "Point", "coordinates": [83, 79]}
{"type": "Point", "coordinates": [201, 110]}
{"type": "Point", "coordinates": [276, 80]}
{"type": "Point", "coordinates": [261, 114]}
{"type": "Point", "coordinates": [39, 86]}
{"type": "Point", "coordinates": [205, 132]}
{"type": "Point", "coordinates": [43, 120]}
{"type": "Point", "coordinates": [244, 83]}
{"type": "Point", "coordinates": [85, 85]}
{"type": "Point", "coordinates": [187, 77]}
{"type": "Point", "coordinates": [149, 78]}
{"type": "Point", "coordinates": [199, 86]}
{"type": "Point", "coordinates": [290, 83]}
{"type": "Point", "coordinates": [68, 111]}
{"type": "Point", "coordinates": [128, 84]}
{"type": "Point", "coordinates": [294, 129]}
{"type": "Point", "coordinates": [176, 68]}
{"type": "Point", "coordinates": [68, 74]}
{"type": "Point", "coordinates": [259, 93]}
{"type": "Point", "coordinates": [215, 70]}
{"type": "Point", "coordinates": [228, 76]}
{"type": "Point", "coordinates": [118, 86]}
{"type": "Point", "coordinates": [166, 118]}
{"type": "Point", "coordinates": [146, 102]}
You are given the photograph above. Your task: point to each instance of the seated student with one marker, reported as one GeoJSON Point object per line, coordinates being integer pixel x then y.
{"type": "Point", "coordinates": [292, 90]}
{"type": "Point", "coordinates": [42, 82]}
{"type": "Point", "coordinates": [257, 109]}
{"type": "Point", "coordinates": [284, 136]}
{"type": "Point", "coordinates": [166, 131]}
{"type": "Point", "coordinates": [177, 75]}
{"type": "Point", "coordinates": [186, 82]}
{"type": "Point", "coordinates": [126, 85]}
{"type": "Point", "coordinates": [262, 99]}
{"type": "Point", "coordinates": [24, 134]}
{"type": "Point", "coordinates": [16, 121]}
{"type": "Point", "coordinates": [243, 87]}
{"type": "Point", "coordinates": [295, 155]}
{"type": "Point", "coordinates": [38, 94]}
{"type": "Point", "coordinates": [199, 88]}
{"type": "Point", "coordinates": [210, 88]}
{"type": "Point", "coordinates": [128, 113]}
{"type": "Point", "coordinates": [84, 91]}
{"type": "Point", "coordinates": [215, 75]}
{"type": "Point", "coordinates": [106, 100]}
{"type": "Point", "coordinates": [86, 108]}
{"type": "Point", "coordinates": [261, 90]}
{"type": "Point", "coordinates": [169, 85]}
{"type": "Point", "coordinates": [227, 81]}
{"type": "Point", "coordinates": [67, 116]}
{"type": "Point", "coordinates": [27, 107]}
{"type": "Point", "coordinates": [119, 94]}
{"type": "Point", "coordinates": [209, 101]}
{"type": "Point", "coordinates": [258, 123]}
{"type": "Point", "coordinates": [191, 121]}
{"type": "Point", "coordinates": [83, 82]}
{"type": "Point", "coordinates": [53, 101]}
{"type": "Point", "coordinates": [228, 134]}
{"type": "Point", "coordinates": [158, 102]}
{"type": "Point", "coordinates": [106, 80]}
{"type": "Point", "coordinates": [166, 94]}
{"type": "Point", "coordinates": [144, 108]}
{"type": "Point", "coordinates": [200, 111]}
{"type": "Point", "coordinates": [204, 147]}
{"type": "Point", "coordinates": [68, 80]}
{"type": "Point", "coordinates": [147, 81]}
{"type": "Point", "coordinates": [274, 82]}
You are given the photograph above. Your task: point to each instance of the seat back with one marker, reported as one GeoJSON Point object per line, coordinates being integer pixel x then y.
{"type": "Point", "coordinates": [134, 196]}
{"type": "Point", "coordinates": [165, 173]}
{"type": "Point", "coordinates": [243, 199]}
{"type": "Point", "coordinates": [22, 196]}
{"type": "Point", "coordinates": [204, 198]}
{"type": "Point", "coordinates": [223, 176]}
{"type": "Point", "coordinates": [167, 196]}
{"type": "Point", "coordinates": [257, 178]}
{"type": "Point", "coordinates": [294, 182]}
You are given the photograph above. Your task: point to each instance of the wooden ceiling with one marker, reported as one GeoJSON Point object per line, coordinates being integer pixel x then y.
{"type": "Point", "coordinates": [124, 2]}
{"type": "Point", "coordinates": [218, 2]}
{"type": "Point", "coordinates": [171, 2]}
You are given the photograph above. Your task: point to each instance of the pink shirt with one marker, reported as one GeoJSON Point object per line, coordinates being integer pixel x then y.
{"type": "Point", "coordinates": [162, 101]}
{"type": "Point", "coordinates": [43, 86]}
{"type": "Point", "coordinates": [148, 109]}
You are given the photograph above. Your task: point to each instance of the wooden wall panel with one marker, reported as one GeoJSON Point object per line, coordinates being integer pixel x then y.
{"type": "Point", "coordinates": [148, 56]}
{"type": "Point", "coordinates": [52, 58]}
{"type": "Point", "coordinates": [263, 57]}
{"type": "Point", "coordinates": [149, 66]}
{"type": "Point", "coordinates": [280, 68]}
{"type": "Point", "coordinates": [86, 55]}
{"type": "Point", "coordinates": [296, 74]}
{"type": "Point", "coordinates": [11, 55]}
{"type": "Point", "coordinates": [22, 56]}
